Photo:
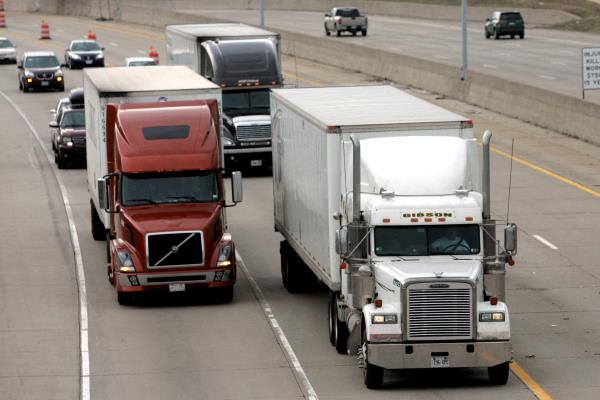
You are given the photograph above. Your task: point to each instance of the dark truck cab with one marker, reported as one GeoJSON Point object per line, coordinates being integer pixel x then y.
{"type": "Point", "coordinates": [245, 63]}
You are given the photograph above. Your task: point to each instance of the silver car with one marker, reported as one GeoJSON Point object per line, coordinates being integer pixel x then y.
{"type": "Point", "coordinates": [8, 53]}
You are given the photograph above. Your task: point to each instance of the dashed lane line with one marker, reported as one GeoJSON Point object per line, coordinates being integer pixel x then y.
{"type": "Point", "coordinates": [545, 242]}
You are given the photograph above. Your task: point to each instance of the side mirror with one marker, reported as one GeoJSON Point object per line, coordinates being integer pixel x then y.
{"type": "Point", "coordinates": [53, 111]}
{"type": "Point", "coordinates": [103, 193]}
{"type": "Point", "coordinates": [102, 48]}
{"type": "Point", "coordinates": [510, 239]}
{"type": "Point", "coordinates": [236, 187]}
{"type": "Point", "coordinates": [20, 66]}
{"type": "Point", "coordinates": [54, 125]}
{"type": "Point", "coordinates": [341, 241]}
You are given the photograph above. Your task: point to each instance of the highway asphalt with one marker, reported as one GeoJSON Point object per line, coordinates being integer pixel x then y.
{"type": "Point", "coordinates": [185, 348]}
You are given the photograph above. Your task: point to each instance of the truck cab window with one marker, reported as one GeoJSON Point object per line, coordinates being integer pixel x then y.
{"type": "Point", "coordinates": [427, 240]}
{"type": "Point", "coordinates": [160, 188]}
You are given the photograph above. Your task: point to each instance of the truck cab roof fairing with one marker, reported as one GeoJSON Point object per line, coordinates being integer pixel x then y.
{"type": "Point", "coordinates": [243, 60]}
{"type": "Point", "coordinates": [197, 151]}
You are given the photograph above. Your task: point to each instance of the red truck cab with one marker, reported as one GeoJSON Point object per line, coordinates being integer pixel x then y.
{"type": "Point", "coordinates": [165, 195]}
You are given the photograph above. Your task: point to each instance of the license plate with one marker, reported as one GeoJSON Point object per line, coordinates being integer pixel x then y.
{"type": "Point", "coordinates": [255, 163]}
{"type": "Point", "coordinates": [88, 61]}
{"type": "Point", "coordinates": [440, 362]}
{"type": "Point", "coordinates": [45, 83]}
{"type": "Point", "coordinates": [177, 287]}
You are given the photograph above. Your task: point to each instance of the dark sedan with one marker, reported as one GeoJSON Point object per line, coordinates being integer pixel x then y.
{"type": "Point", "coordinates": [84, 53]}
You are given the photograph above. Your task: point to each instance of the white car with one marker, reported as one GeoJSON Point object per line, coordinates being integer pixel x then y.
{"type": "Point", "coordinates": [7, 51]}
{"type": "Point", "coordinates": [139, 61]}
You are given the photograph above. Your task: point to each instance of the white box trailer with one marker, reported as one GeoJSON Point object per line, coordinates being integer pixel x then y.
{"type": "Point", "coordinates": [411, 260]}
{"type": "Point", "coordinates": [119, 85]}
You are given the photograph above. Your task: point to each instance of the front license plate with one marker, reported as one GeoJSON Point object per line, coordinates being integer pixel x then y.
{"type": "Point", "coordinates": [88, 61]}
{"type": "Point", "coordinates": [45, 83]}
{"type": "Point", "coordinates": [255, 163]}
{"type": "Point", "coordinates": [440, 362]}
{"type": "Point", "coordinates": [177, 287]}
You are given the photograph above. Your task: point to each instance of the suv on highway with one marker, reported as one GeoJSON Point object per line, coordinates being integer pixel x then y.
{"type": "Point", "coordinates": [40, 70]}
{"type": "Point", "coordinates": [503, 23]}
{"type": "Point", "coordinates": [67, 131]}
{"type": "Point", "coordinates": [7, 51]}
{"type": "Point", "coordinates": [84, 53]}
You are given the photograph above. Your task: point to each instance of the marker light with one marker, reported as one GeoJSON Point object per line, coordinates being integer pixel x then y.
{"type": "Point", "coordinates": [442, 219]}
{"type": "Point", "coordinates": [468, 218]}
{"type": "Point", "coordinates": [428, 219]}
{"type": "Point", "coordinates": [493, 301]}
{"type": "Point", "coordinates": [414, 220]}
{"type": "Point", "coordinates": [378, 303]}
{"type": "Point", "coordinates": [386, 220]}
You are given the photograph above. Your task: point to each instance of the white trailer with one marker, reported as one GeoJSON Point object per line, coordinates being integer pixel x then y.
{"type": "Point", "coordinates": [118, 85]}
{"type": "Point", "coordinates": [412, 264]}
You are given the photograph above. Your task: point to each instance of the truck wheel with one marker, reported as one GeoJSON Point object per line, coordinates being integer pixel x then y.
{"type": "Point", "coordinates": [332, 318]}
{"type": "Point", "coordinates": [341, 332]}
{"type": "Point", "coordinates": [98, 231]}
{"type": "Point", "coordinates": [338, 32]}
{"type": "Point", "coordinates": [498, 374]}
{"type": "Point", "coordinates": [364, 32]}
{"type": "Point", "coordinates": [125, 298]}
{"type": "Point", "coordinates": [353, 33]}
{"type": "Point", "coordinates": [487, 34]}
{"type": "Point", "coordinates": [284, 259]}
{"type": "Point", "coordinates": [522, 35]}
{"type": "Point", "coordinates": [224, 295]}
{"type": "Point", "coordinates": [372, 374]}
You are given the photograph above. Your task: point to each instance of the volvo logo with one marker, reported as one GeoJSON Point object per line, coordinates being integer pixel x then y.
{"type": "Point", "coordinates": [438, 274]}
{"type": "Point", "coordinates": [174, 249]}
{"type": "Point", "coordinates": [439, 286]}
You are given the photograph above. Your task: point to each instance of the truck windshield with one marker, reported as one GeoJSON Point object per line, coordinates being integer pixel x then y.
{"type": "Point", "coordinates": [426, 240]}
{"type": "Point", "coordinates": [246, 102]}
{"type": "Point", "coordinates": [175, 187]}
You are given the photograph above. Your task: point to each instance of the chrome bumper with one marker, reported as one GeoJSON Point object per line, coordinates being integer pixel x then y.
{"type": "Point", "coordinates": [394, 355]}
{"type": "Point", "coordinates": [247, 150]}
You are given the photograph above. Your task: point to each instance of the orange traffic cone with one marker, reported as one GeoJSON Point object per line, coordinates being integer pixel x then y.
{"type": "Point", "coordinates": [153, 54]}
{"type": "Point", "coordinates": [1, 5]}
{"type": "Point", "coordinates": [45, 30]}
{"type": "Point", "coordinates": [2, 19]}
{"type": "Point", "coordinates": [91, 35]}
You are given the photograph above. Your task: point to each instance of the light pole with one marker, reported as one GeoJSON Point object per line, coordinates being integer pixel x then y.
{"type": "Point", "coordinates": [463, 17]}
{"type": "Point", "coordinates": [262, 13]}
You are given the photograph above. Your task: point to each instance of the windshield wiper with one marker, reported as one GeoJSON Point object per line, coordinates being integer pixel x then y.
{"type": "Point", "coordinates": [149, 201]}
{"type": "Point", "coordinates": [188, 198]}
{"type": "Point", "coordinates": [406, 259]}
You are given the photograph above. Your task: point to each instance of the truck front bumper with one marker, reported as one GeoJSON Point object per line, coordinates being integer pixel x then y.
{"type": "Point", "coordinates": [162, 281]}
{"type": "Point", "coordinates": [418, 355]}
{"type": "Point", "coordinates": [248, 157]}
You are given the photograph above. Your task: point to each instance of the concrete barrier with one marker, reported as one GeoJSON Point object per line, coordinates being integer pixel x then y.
{"type": "Point", "coordinates": [558, 112]}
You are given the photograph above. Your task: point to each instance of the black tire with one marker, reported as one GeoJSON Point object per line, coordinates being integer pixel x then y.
{"type": "Point", "coordinates": [496, 35]}
{"type": "Point", "coordinates": [364, 32]}
{"type": "Point", "coordinates": [296, 275]}
{"type": "Point", "coordinates": [522, 35]}
{"type": "Point", "coordinates": [55, 155]}
{"type": "Point", "coordinates": [327, 31]}
{"type": "Point", "coordinates": [284, 259]}
{"type": "Point", "coordinates": [61, 88]}
{"type": "Point", "coordinates": [98, 230]}
{"type": "Point", "coordinates": [341, 332]}
{"type": "Point", "coordinates": [498, 374]}
{"type": "Point", "coordinates": [353, 33]}
{"type": "Point", "coordinates": [20, 85]}
{"type": "Point", "coordinates": [60, 163]}
{"type": "Point", "coordinates": [372, 374]}
{"type": "Point", "coordinates": [339, 33]}
{"type": "Point", "coordinates": [332, 322]}
{"type": "Point", "coordinates": [224, 295]}
{"type": "Point", "coordinates": [487, 34]}
{"type": "Point", "coordinates": [125, 298]}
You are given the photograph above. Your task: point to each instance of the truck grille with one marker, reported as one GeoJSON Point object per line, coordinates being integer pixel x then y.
{"type": "Point", "coordinates": [44, 76]}
{"type": "Point", "coordinates": [440, 311]}
{"type": "Point", "coordinates": [177, 249]}
{"type": "Point", "coordinates": [250, 133]}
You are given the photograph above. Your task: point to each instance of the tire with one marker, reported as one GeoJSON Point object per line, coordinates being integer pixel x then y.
{"type": "Point", "coordinates": [20, 85]}
{"type": "Point", "coordinates": [364, 32]}
{"type": "Point", "coordinates": [224, 295]}
{"type": "Point", "coordinates": [61, 88]}
{"type": "Point", "coordinates": [498, 374]}
{"type": "Point", "coordinates": [353, 33]}
{"type": "Point", "coordinates": [327, 33]}
{"type": "Point", "coordinates": [372, 374]}
{"type": "Point", "coordinates": [98, 230]}
{"type": "Point", "coordinates": [522, 35]}
{"type": "Point", "coordinates": [512, 36]}
{"type": "Point", "coordinates": [284, 259]}
{"type": "Point", "coordinates": [339, 33]}
{"type": "Point", "coordinates": [55, 155]}
{"type": "Point", "coordinates": [60, 163]}
{"type": "Point", "coordinates": [487, 34]}
{"type": "Point", "coordinates": [341, 332]}
{"type": "Point", "coordinates": [125, 298]}
{"type": "Point", "coordinates": [497, 35]}
{"type": "Point", "coordinates": [296, 275]}
{"type": "Point", "coordinates": [332, 321]}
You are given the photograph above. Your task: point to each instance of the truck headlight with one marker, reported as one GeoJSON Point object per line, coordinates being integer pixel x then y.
{"type": "Point", "coordinates": [224, 256]}
{"type": "Point", "coordinates": [384, 319]}
{"type": "Point", "coordinates": [124, 262]}
{"type": "Point", "coordinates": [491, 317]}
{"type": "Point", "coordinates": [228, 142]}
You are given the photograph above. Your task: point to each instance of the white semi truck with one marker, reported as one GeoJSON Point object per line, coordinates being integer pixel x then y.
{"type": "Point", "coordinates": [382, 196]}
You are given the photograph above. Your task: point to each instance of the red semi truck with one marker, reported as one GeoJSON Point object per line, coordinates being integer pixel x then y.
{"type": "Point", "coordinates": [156, 179]}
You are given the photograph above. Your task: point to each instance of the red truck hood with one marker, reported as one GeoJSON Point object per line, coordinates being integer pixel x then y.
{"type": "Point", "coordinates": [173, 217]}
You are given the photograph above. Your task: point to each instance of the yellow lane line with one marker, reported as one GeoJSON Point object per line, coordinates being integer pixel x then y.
{"type": "Point", "coordinates": [305, 80]}
{"type": "Point", "coordinates": [29, 37]}
{"type": "Point", "coordinates": [549, 173]}
{"type": "Point", "coordinates": [537, 390]}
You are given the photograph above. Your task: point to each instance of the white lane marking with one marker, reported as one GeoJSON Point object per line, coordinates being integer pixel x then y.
{"type": "Point", "coordinates": [544, 241]}
{"type": "Point", "coordinates": [114, 44]}
{"type": "Point", "coordinates": [490, 66]}
{"type": "Point", "coordinates": [559, 63]}
{"type": "Point", "coordinates": [83, 309]}
{"type": "Point", "coordinates": [301, 378]}
{"type": "Point", "coordinates": [441, 57]}
{"type": "Point", "coordinates": [547, 77]}
{"type": "Point", "coordinates": [141, 51]}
